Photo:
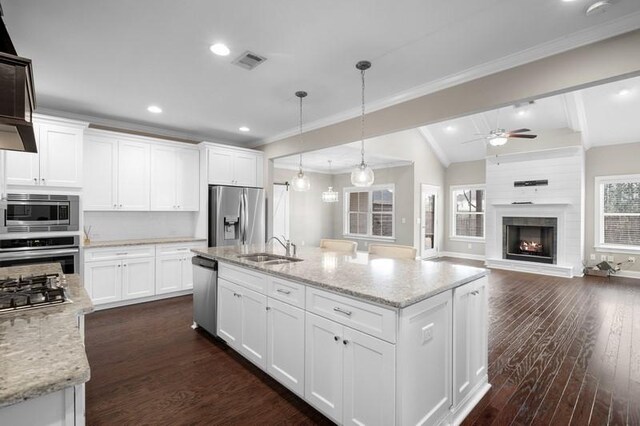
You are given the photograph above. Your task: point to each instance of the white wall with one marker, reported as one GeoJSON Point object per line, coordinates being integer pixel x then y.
{"type": "Point", "coordinates": [135, 225]}
{"type": "Point", "coordinates": [309, 218]}
{"type": "Point", "coordinates": [465, 173]}
{"type": "Point", "coordinates": [607, 161]}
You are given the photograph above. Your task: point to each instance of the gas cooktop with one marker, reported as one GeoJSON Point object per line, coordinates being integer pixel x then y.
{"type": "Point", "coordinates": [32, 292]}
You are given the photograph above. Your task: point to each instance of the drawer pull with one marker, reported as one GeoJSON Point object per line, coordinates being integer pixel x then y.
{"type": "Point", "coordinates": [475, 292]}
{"type": "Point", "coordinates": [283, 291]}
{"type": "Point", "coordinates": [121, 254]}
{"type": "Point", "coordinates": [342, 311]}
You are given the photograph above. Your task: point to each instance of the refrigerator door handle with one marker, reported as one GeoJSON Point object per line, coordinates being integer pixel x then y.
{"type": "Point", "coordinates": [246, 216]}
{"type": "Point", "coordinates": [241, 218]}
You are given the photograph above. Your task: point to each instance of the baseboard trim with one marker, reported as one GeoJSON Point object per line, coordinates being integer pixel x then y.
{"type": "Point", "coordinates": [531, 267]}
{"type": "Point", "coordinates": [128, 302]}
{"type": "Point", "coordinates": [462, 255]}
{"type": "Point", "coordinates": [628, 274]}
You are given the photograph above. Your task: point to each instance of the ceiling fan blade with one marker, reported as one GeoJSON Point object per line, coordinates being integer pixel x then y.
{"type": "Point", "coordinates": [473, 140]}
{"type": "Point", "coordinates": [522, 136]}
{"type": "Point", "coordinates": [519, 131]}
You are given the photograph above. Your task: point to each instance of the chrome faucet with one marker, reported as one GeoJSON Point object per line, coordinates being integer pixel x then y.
{"type": "Point", "coordinates": [287, 244]}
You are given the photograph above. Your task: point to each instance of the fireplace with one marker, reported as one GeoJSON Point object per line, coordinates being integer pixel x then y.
{"type": "Point", "coordinates": [530, 239]}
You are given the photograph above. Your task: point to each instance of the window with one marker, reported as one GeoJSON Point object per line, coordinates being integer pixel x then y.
{"type": "Point", "coordinates": [619, 212]}
{"type": "Point", "coordinates": [468, 207]}
{"type": "Point", "coordinates": [370, 212]}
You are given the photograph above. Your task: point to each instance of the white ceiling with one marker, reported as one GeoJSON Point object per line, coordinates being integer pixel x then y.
{"type": "Point", "coordinates": [343, 159]}
{"type": "Point", "coordinates": [111, 59]}
{"type": "Point", "coordinates": [601, 114]}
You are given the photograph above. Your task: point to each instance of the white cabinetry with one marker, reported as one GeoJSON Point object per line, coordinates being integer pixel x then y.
{"type": "Point", "coordinates": [174, 271]}
{"type": "Point", "coordinates": [58, 162]}
{"type": "Point", "coordinates": [174, 178]}
{"type": "Point", "coordinates": [470, 339]}
{"type": "Point", "coordinates": [116, 174]}
{"type": "Point", "coordinates": [228, 166]}
{"type": "Point", "coordinates": [350, 376]}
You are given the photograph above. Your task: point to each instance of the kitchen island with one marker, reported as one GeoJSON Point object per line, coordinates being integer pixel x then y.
{"type": "Point", "coordinates": [364, 339]}
{"type": "Point", "coordinates": [42, 356]}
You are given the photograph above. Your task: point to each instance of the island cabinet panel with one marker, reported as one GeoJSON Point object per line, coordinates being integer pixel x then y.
{"type": "Point", "coordinates": [424, 361]}
{"type": "Point", "coordinates": [324, 366]}
{"type": "Point", "coordinates": [286, 291]}
{"type": "Point", "coordinates": [371, 319]}
{"type": "Point", "coordinates": [229, 312]}
{"type": "Point", "coordinates": [369, 380]}
{"type": "Point", "coordinates": [253, 317]}
{"type": "Point", "coordinates": [285, 344]}
{"type": "Point", "coordinates": [252, 280]}
{"type": "Point", "coordinates": [470, 339]}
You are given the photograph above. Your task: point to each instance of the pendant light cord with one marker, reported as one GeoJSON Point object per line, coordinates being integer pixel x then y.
{"type": "Point", "coordinates": [300, 132]}
{"type": "Point", "coordinates": [362, 120]}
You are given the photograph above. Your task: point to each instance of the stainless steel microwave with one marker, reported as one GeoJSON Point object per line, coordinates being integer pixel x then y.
{"type": "Point", "coordinates": [40, 213]}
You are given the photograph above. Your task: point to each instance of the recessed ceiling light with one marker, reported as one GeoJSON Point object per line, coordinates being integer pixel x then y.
{"type": "Point", "coordinates": [568, 1]}
{"type": "Point", "coordinates": [450, 129]}
{"type": "Point", "coordinates": [154, 109]}
{"type": "Point", "coordinates": [522, 113]}
{"type": "Point", "coordinates": [220, 49]}
{"type": "Point", "coordinates": [624, 92]}
{"type": "Point", "coordinates": [598, 7]}
{"type": "Point", "coordinates": [244, 129]}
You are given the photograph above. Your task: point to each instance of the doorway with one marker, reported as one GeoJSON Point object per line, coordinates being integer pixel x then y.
{"type": "Point", "coordinates": [281, 210]}
{"type": "Point", "coordinates": [430, 204]}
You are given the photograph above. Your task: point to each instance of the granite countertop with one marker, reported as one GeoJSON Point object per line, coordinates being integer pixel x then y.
{"type": "Point", "coordinates": [41, 350]}
{"type": "Point", "coordinates": [142, 242]}
{"type": "Point", "coordinates": [392, 282]}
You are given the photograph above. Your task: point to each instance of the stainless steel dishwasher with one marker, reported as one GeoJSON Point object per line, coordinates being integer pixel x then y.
{"type": "Point", "coordinates": [205, 293]}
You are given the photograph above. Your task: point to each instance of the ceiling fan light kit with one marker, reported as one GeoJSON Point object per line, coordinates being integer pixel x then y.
{"type": "Point", "coordinates": [300, 181]}
{"type": "Point", "coordinates": [362, 175]}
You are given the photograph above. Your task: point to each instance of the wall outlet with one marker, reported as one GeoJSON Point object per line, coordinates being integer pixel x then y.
{"type": "Point", "coordinates": [631, 259]}
{"type": "Point", "coordinates": [427, 333]}
{"type": "Point", "coordinates": [603, 257]}
{"type": "Point", "coordinates": [592, 257]}
{"type": "Point", "coordinates": [611, 259]}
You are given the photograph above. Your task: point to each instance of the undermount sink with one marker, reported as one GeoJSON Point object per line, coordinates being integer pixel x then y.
{"type": "Point", "coordinates": [268, 258]}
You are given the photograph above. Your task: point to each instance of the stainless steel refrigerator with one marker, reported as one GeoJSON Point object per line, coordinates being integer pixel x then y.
{"type": "Point", "coordinates": [236, 216]}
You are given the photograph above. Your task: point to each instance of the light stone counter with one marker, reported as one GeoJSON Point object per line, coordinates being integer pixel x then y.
{"type": "Point", "coordinates": [143, 242]}
{"type": "Point", "coordinates": [393, 282]}
{"type": "Point", "coordinates": [41, 350]}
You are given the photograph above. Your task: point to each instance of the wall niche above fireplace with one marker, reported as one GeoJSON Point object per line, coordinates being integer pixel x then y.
{"type": "Point", "coordinates": [530, 239]}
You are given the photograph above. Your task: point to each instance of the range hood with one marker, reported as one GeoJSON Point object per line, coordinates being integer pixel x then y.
{"type": "Point", "coordinates": [17, 99]}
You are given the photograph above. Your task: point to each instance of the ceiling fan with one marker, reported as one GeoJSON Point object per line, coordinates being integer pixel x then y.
{"type": "Point", "coordinates": [499, 137]}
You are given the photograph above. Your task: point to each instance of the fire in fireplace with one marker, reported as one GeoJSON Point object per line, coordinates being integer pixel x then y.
{"type": "Point", "coordinates": [530, 239]}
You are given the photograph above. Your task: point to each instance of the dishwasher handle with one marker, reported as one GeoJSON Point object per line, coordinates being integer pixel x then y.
{"type": "Point", "coordinates": [204, 262]}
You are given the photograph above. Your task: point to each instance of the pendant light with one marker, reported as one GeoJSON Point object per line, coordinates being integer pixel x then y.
{"type": "Point", "coordinates": [300, 181]}
{"type": "Point", "coordinates": [363, 174]}
{"type": "Point", "coordinates": [330, 196]}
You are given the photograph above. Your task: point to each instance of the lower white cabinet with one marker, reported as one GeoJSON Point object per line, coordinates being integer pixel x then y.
{"type": "Point", "coordinates": [285, 344]}
{"type": "Point", "coordinates": [242, 321]}
{"type": "Point", "coordinates": [350, 376]}
{"type": "Point", "coordinates": [138, 278]}
{"type": "Point", "coordinates": [470, 340]}
{"type": "Point", "coordinates": [114, 280]}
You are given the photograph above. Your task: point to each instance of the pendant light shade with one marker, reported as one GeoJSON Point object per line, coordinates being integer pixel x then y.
{"type": "Point", "coordinates": [300, 182]}
{"type": "Point", "coordinates": [330, 196]}
{"type": "Point", "coordinates": [362, 175]}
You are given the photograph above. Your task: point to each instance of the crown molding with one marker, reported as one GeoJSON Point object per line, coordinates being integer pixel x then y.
{"type": "Point", "coordinates": [578, 39]}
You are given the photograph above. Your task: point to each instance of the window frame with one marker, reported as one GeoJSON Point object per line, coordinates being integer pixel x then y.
{"type": "Point", "coordinates": [599, 214]}
{"type": "Point", "coordinates": [452, 217]}
{"type": "Point", "coordinates": [371, 189]}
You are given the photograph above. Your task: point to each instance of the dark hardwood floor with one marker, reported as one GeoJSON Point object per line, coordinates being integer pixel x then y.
{"type": "Point", "coordinates": [561, 351]}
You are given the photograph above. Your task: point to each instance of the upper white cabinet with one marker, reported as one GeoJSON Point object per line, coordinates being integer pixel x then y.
{"type": "Point", "coordinates": [116, 174]}
{"type": "Point", "coordinates": [230, 166]}
{"type": "Point", "coordinates": [137, 174]}
{"type": "Point", "coordinates": [174, 178]}
{"type": "Point", "coordinates": [58, 162]}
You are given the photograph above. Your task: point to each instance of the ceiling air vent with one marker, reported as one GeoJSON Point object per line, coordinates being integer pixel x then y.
{"type": "Point", "coordinates": [249, 60]}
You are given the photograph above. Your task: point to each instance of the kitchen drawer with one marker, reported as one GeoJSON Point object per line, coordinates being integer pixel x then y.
{"type": "Point", "coordinates": [286, 291]}
{"type": "Point", "coordinates": [118, 253]}
{"type": "Point", "coordinates": [252, 280]}
{"type": "Point", "coordinates": [371, 319]}
{"type": "Point", "coordinates": [179, 248]}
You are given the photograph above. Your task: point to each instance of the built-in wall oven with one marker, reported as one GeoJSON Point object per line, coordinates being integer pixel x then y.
{"type": "Point", "coordinates": [40, 213]}
{"type": "Point", "coordinates": [30, 251]}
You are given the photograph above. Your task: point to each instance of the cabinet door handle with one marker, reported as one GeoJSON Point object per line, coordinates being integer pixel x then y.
{"type": "Point", "coordinates": [475, 292]}
{"type": "Point", "coordinates": [345, 342]}
{"type": "Point", "coordinates": [120, 205]}
{"type": "Point", "coordinates": [268, 308]}
{"type": "Point", "coordinates": [42, 179]}
{"type": "Point", "coordinates": [119, 265]}
{"type": "Point", "coordinates": [336, 338]}
{"type": "Point", "coordinates": [115, 206]}
{"type": "Point", "coordinates": [342, 311]}
{"type": "Point", "coordinates": [283, 291]}
{"type": "Point", "coordinates": [35, 180]}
